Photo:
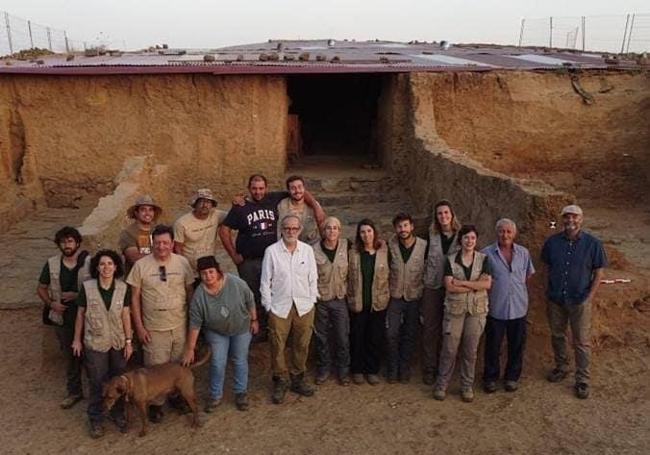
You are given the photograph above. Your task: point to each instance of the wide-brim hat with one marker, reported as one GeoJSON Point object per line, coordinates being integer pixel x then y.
{"type": "Point", "coordinates": [203, 193]}
{"type": "Point", "coordinates": [145, 199]}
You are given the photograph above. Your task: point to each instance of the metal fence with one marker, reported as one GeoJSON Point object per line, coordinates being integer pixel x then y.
{"type": "Point", "coordinates": [617, 33]}
{"type": "Point", "coordinates": [19, 34]}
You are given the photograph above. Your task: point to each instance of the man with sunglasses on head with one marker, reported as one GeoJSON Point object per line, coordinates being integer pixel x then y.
{"type": "Point", "coordinates": [161, 288]}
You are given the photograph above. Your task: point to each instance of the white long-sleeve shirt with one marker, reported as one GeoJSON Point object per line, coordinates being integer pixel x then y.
{"type": "Point", "coordinates": [289, 278]}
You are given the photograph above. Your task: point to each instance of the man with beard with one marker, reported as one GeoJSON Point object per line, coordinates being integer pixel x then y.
{"type": "Point", "coordinates": [161, 288]}
{"type": "Point", "coordinates": [58, 286]}
{"type": "Point", "coordinates": [195, 233]}
{"type": "Point", "coordinates": [135, 240]}
{"type": "Point", "coordinates": [575, 262]}
{"type": "Point", "coordinates": [406, 259]}
{"type": "Point", "coordinates": [310, 218]}
{"type": "Point", "coordinates": [256, 224]}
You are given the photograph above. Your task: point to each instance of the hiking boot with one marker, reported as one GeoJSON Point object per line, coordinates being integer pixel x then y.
{"type": "Point", "coordinates": [344, 380]}
{"type": "Point", "coordinates": [511, 386]}
{"type": "Point", "coordinates": [490, 387]}
{"type": "Point", "coordinates": [439, 394]}
{"type": "Point", "coordinates": [556, 375]}
{"type": "Point", "coordinates": [358, 378]}
{"type": "Point", "coordinates": [428, 378]}
{"type": "Point", "coordinates": [120, 422]}
{"type": "Point", "coordinates": [321, 377]}
{"type": "Point", "coordinates": [467, 395]}
{"type": "Point", "coordinates": [299, 386]}
{"type": "Point", "coordinates": [279, 390]}
{"type": "Point", "coordinates": [96, 429]}
{"type": "Point", "coordinates": [156, 414]}
{"type": "Point", "coordinates": [373, 379]}
{"type": "Point", "coordinates": [212, 405]}
{"type": "Point", "coordinates": [582, 390]}
{"type": "Point", "coordinates": [241, 401]}
{"type": "Point", "coordinates": [71, 400]}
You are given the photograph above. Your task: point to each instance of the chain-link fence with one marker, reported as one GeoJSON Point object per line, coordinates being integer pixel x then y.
{"type": "Point", "coordinates": [17, 34]}
{"type": "Point", "coordinates": [617, 33]}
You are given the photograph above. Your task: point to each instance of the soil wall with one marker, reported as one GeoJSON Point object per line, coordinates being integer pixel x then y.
{"type": "Point", "coordinates": [64, 139]}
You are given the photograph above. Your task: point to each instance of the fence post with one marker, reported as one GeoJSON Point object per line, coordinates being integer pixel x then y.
{"type": "Point", "coordinates": [629, 36]}
{"type": "Point", "coordinates": [627, 23]}
{"type": "Point", "coordinates": [550, 35]}
{"type": "Point", "coordinates": [521, 31]}
{"type": "Point", "coordinates": [31, 38]}
{"type": "Point", "coordinates": [11, 46]}
{"type": "Point", "coordinates": [49, 37]}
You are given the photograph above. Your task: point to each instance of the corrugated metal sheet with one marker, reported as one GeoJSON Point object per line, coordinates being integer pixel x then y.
{"type": "Point", "coordinates": [317, 56]}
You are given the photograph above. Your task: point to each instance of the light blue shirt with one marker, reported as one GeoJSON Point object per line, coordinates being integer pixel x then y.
{"type": "Point", "coordinates": [509, 294]}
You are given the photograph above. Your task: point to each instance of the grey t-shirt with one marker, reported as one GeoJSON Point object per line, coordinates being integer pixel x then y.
{"type": "Point", "coordinates": [225, 313]}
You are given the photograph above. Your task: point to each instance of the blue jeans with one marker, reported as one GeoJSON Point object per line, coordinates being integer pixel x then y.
{"type": "Point", "coordinates": [237, 347]}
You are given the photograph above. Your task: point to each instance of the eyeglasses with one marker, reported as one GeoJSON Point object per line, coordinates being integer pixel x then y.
{"type": "Point", "coordinates": [163, 273]}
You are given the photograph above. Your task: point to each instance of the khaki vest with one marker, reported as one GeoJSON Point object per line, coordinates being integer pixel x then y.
{"type": "Point", "coordinates": [54, 264]}
{"type": "Point", "coordinates": [473, 302]}
{"type": "Point", "coordinates": [406, 278]}
{"type": "Point", "coordinates": [332, 276]}
{"type": "Point", "coordinates": [434, 269]}
{"type": "Point", "coordinates": [103, 328]}
{"type": "Point", "coordinates": [380, 294]}
{"type": "Point", "coordinates": [310, 233]}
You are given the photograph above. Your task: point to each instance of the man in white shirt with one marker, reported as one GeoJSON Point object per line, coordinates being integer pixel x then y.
{"type": "Point", "coordinates": [289, 290]}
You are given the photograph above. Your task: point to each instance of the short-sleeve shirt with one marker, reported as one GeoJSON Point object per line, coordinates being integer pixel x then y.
{"type": "Point", "coordinates": [256, 223]}
{"type": "Point", "coordinates": [571, 266]}
{"type": "Point", "coordinates": [509, 293]}
{"type": "Point", "coordinates": [133, 236]}
{"type": "Point", "coordinates": [163, 294]}
{"type": "Point", "coordinates": [485, 268]}
{"type": "Point", "coordinates": [67, 277]}
{"type": "Point", "coordinates": [106, 294]}
{"type": "Point", "coordinates": [199, 237]}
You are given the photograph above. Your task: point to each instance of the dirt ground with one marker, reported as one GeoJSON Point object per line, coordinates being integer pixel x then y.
{"type": "Point", "coordinates": [540, 418]}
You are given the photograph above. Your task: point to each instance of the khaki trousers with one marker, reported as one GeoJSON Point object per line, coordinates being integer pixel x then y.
{"type": "Point", "coordinates": [301, 329]}
{"type": "Point", "coordinates": [165, 346]}
{"type": "Point", "coordinates": [579, 317]}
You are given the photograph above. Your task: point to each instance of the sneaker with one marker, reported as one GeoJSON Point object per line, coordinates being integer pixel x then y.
{"type": "Point", "coordinates": [490, 387]}
{"type": "Point", "coordinates": [467, 395]}
{"type": "Point", "coordinates": [428, 378]}
{"type": "Point", "coordinates": [279, 390]}
{"type": "Point", "coordinates": [212, 405]}
{"type": "Point", "coordinates": [241, 401]}
{"type": "Point", "coordinates": [582, 390]}
{"type": "Point", "coordinates": [373, 379]}
{"type": "Point", "coordinates": [299, 386]}
{"type": "Point", "coordinates": [321, 377]}
{"type": "Point", "coordinates": [120, 422]}
{"type": "Point", "coordinates": [96, 429]}
{"type": "Point", "coordinates": [358, 378]}
{"type": "Point", "coordinates": [439, 394]}
{"type": "Point", "coordinates": [556, 375]}
{"type": "Point", "coordinates": [71, 400]}
{"type": "Point", "coordinates": [156, 414]}
{"type": "Point", "coordinates": [511, 386]}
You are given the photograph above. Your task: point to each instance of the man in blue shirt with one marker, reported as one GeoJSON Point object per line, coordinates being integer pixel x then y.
{"type": "Point", "coordinates": [575, 261]}
{"type": "Point", "coordinates": [511, 268]}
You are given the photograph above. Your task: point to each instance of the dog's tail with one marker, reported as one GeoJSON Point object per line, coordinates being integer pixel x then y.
{"type": "Point", "coordinates": [203, 357]}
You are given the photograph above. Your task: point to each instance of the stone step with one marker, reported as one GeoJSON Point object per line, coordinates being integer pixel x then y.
{"type": "Point", "coordinates": [347, 199]}
{"type": "Point", "coordinates": [355, 184]}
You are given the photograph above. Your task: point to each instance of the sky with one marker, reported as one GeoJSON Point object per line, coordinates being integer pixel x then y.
{"type": "Point", "coordinates": [135, 24]}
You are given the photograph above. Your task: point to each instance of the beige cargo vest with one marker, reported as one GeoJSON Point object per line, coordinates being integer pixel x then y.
{"type": "Point", "coordinates": [406, 278]}
{"type": "Point", "coordinates": [310, 233]}
{"type": "Point", "coordinates": [380, 293]}
{"type": "Point", "coordinates": [474, 302]}
{"type": "Point", "coordinates": [103, 328]}
{"type": "Point", "coordinates": [434, 270]}
{"type": "Point", "coordinates": [54, 264]}
{"type": "Point", "coordinates": [332, 276]}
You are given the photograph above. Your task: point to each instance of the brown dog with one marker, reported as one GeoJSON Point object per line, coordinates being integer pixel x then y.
{"type": "Point", "coordinates": [143, 385]}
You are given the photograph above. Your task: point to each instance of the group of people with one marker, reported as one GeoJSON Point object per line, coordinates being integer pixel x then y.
{"type": "Point", "coordinates": [364, 301]}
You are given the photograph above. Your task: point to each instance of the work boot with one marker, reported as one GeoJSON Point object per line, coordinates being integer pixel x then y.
{"type": "Point", "coordinates": [439, 394]}
{"type": "Point", "coordinates": [321, 377]}
{"type": "Point", "coordinates": [467, 395]}
{"type": "Point", "coordinates": [241, 401]}
{"type": "Point", "coordinates": [279, 390]}
{"type": "Point", "coordinates": [511, 386]}
{"type": "Point", "coordinates": [582, 390]}
{"type": "Point", "coordinates": [373, 379]}
{"type": "Point", "coordinates": [556, 375]}
{"type": "Point", "coordinates": [155, 414]}
{"type": "Point", "coordinates": [212, 405]}
{"type": "Point", "coordinates": [490, 387]}
{"type": "Point", "coordinates": [358, 378]}
{"type": "Point", "coordinates": [299, 386]}
{"type": "Point", "coordinates": [96, 429]}
{"type": "Point", "coordinates": [71, 400]}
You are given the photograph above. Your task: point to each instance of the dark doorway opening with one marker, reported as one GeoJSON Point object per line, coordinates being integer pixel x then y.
{"type": "Point", "coordinates": [333, 115]}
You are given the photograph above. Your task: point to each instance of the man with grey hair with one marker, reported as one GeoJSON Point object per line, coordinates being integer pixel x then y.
{"type": "Point", "coordinates": [511, 268]}
{"type": "Point", "coordinates": [289, 288]}
{"type": "Point", "coordinates": [575, 262]}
